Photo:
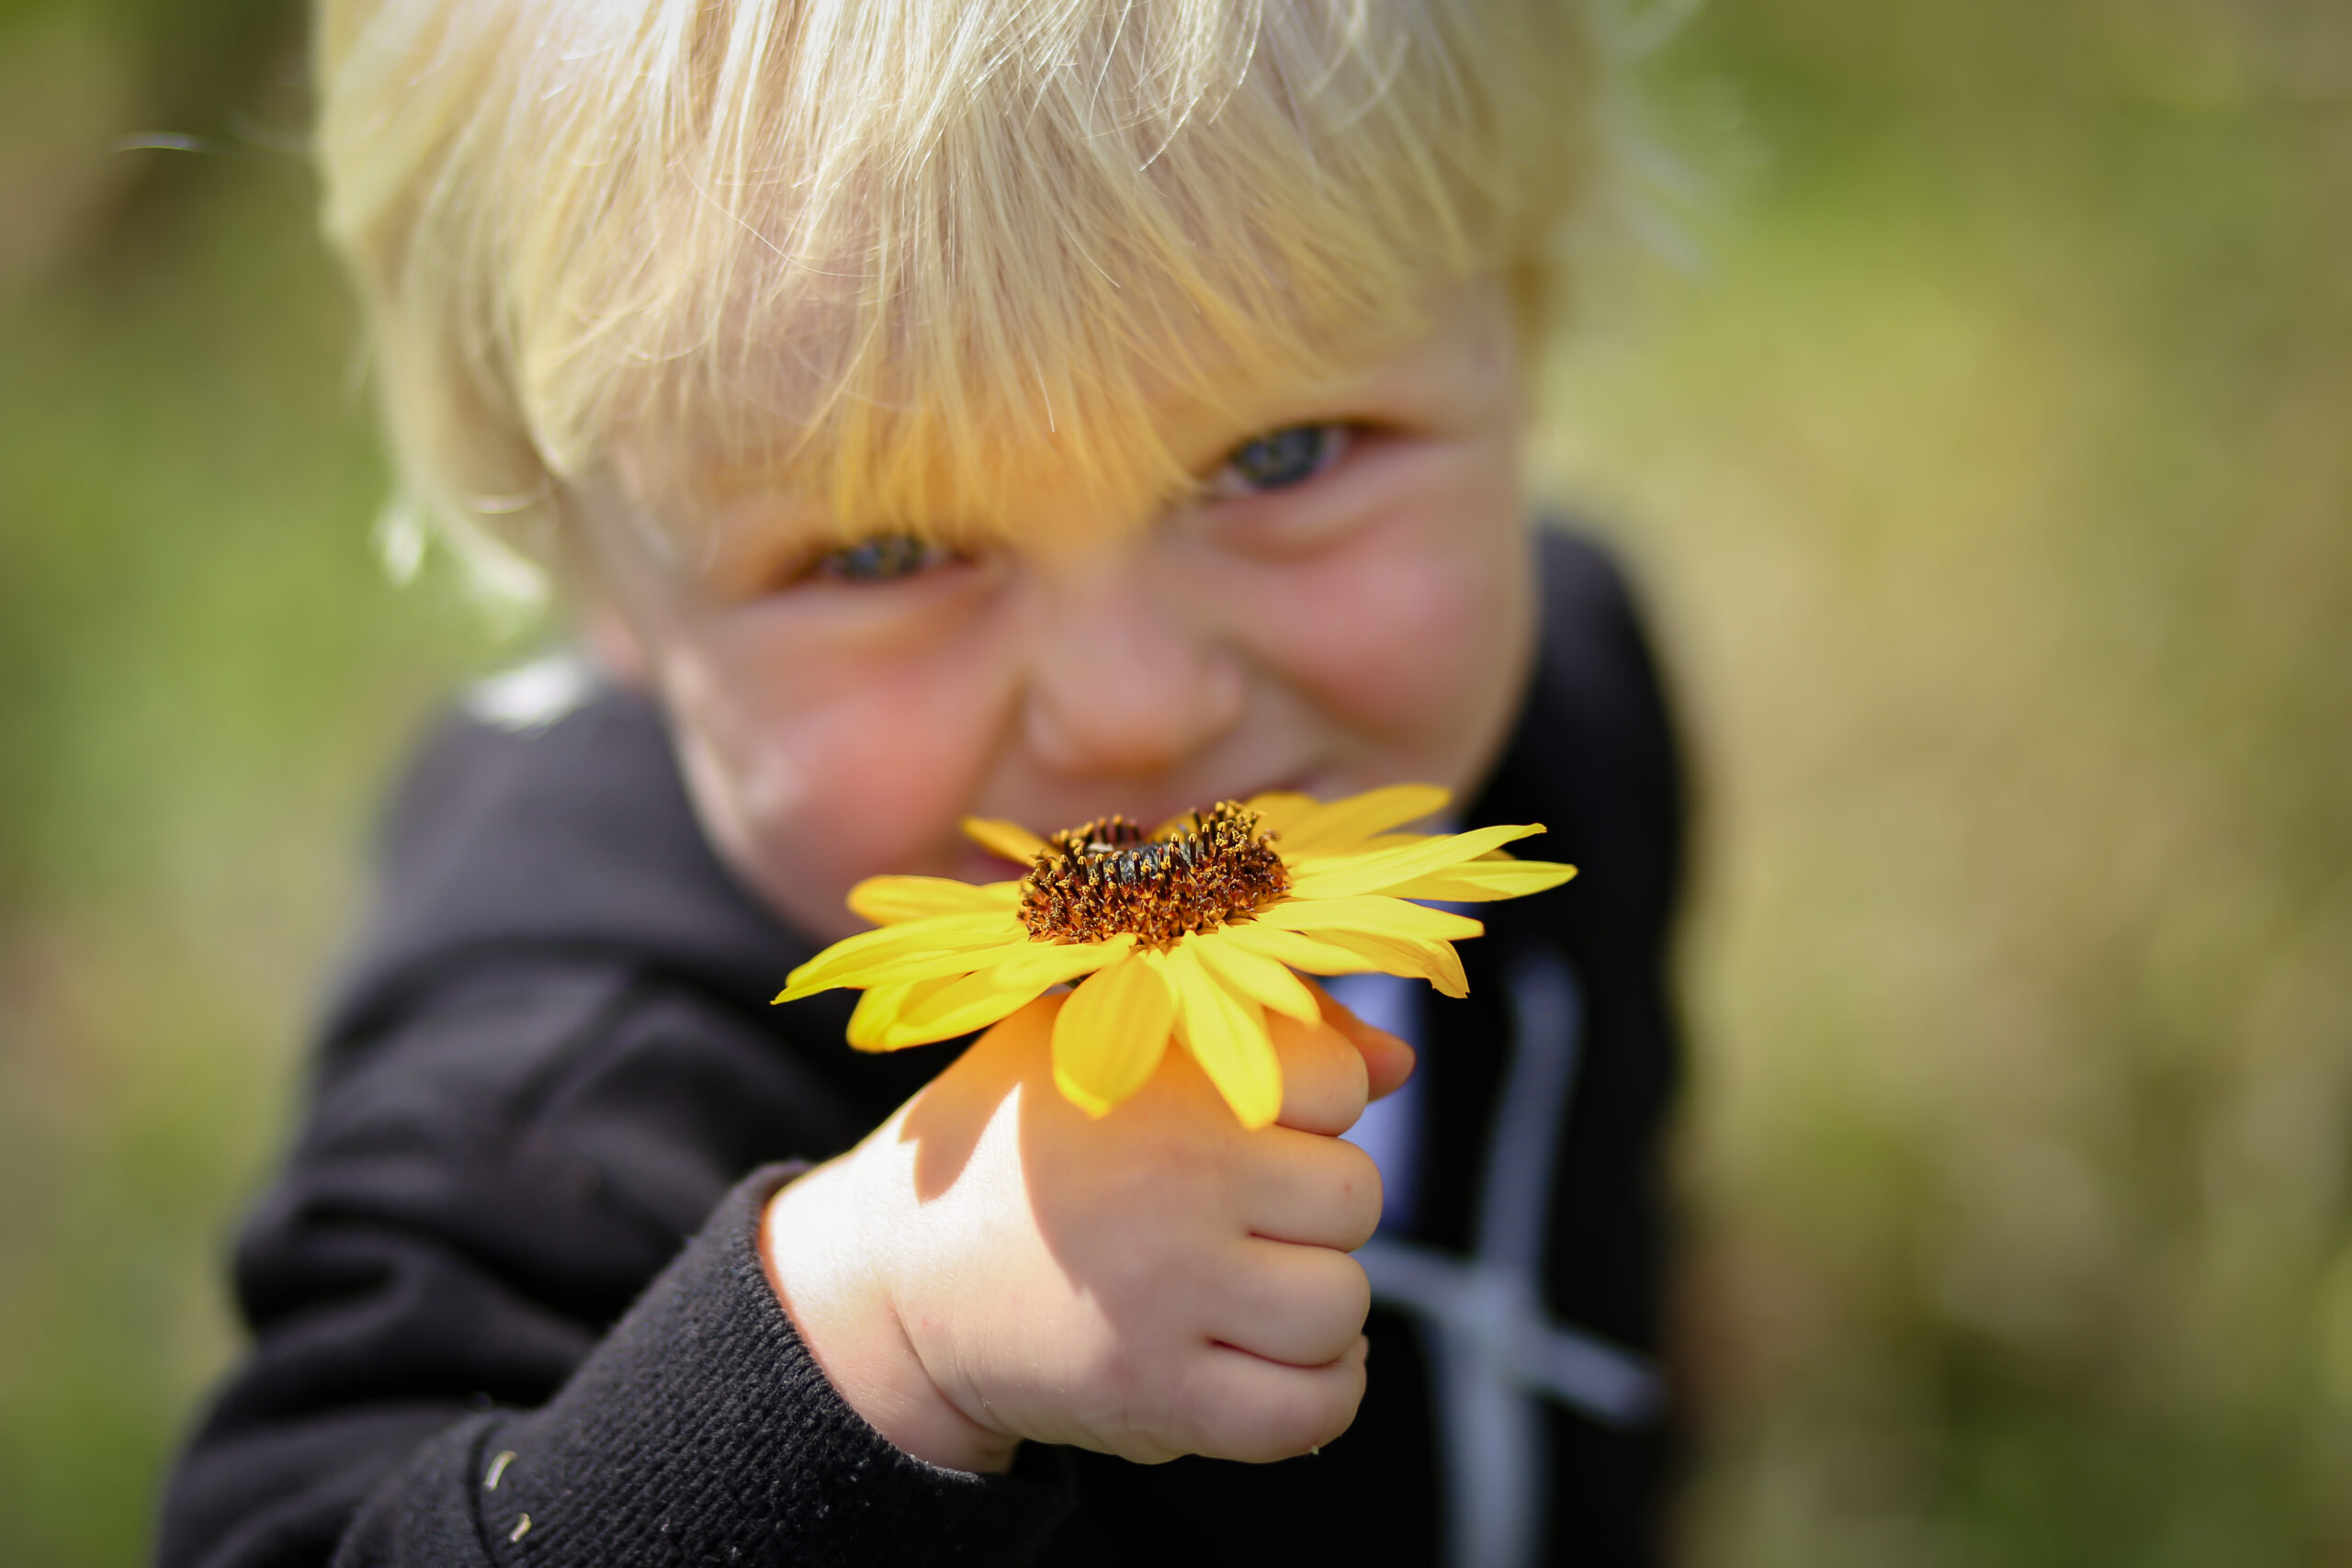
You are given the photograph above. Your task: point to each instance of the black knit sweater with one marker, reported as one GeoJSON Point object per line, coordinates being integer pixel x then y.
{"type": "Point", "coordinates": [505, 1298]}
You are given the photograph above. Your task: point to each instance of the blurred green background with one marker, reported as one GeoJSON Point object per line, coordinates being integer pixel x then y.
{"type": "Point", "coordinates": [1978, 425]}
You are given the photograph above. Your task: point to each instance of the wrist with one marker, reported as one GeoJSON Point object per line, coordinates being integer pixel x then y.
{"type": "Point", "coordinates": [842, 1307]}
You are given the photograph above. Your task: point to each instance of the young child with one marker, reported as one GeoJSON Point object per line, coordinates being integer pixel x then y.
{"type": "Point", "coordinates": [1023, 409]}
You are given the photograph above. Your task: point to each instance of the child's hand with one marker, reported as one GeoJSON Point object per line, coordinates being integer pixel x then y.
{"type": "Point", "coordinates": [992, 1265]}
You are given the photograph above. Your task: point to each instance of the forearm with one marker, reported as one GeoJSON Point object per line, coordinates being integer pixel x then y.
{"type": "Point", "coordinates": [445, 1270]}
{"type": "Point", "coordinates": [701, 1430]}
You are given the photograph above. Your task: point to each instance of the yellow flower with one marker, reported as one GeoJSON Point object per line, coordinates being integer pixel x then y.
{"type": "Point", "coordinates": [1191, 932]}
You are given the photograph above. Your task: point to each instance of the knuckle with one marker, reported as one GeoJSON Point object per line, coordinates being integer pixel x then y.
{"type": "Point", "coordinates": [1356, 1195]}
{"type": "Point", "coordinates": [1338, 1410]}
{"type": "Point", "coordinates": [1359, 1172]}
{"type": "Point", "coordinates": [1216, 1421]}
{"type": "Point", "coordinates": [1358, 1286]}
{"type": "Point", "coordinates": [1345, 1303]}
{"type": "Point", "coordinates": [1320, 1057]}
{"type": "Point", "coordinates": [1281, 1428]}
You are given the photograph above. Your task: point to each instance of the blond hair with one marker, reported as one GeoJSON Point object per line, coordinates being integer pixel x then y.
{"type": "Point", "coordinates": [896, 254]}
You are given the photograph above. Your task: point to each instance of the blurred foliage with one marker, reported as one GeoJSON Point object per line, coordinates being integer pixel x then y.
{"type": "Point", "coordinates": [1990, 468]}
{"type": "Point", "coordinates": [1986, 464]}
{"type": "Point", "coordinates": [204, 678]}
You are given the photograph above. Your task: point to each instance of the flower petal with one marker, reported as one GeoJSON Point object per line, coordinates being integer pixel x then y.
{"type": "Point", "coordinates": [1009, 840]}
{"type": "Point", "coordinates": [1061, 961]}
{"type": "Point", "coordinates": [894, 900]}
{"type": "Point", "coordinates": [1435, 961]}
{"type": "Point", "coordinates": [1481, 880]}
{"type": "Point", "coordinates": [1344, 823]}
{"type": "Point", "coordinates": [1390, 841]}
{"type": "Point", "coordinates": [1354, 953]}
{"type": "Point", "coordinates": [913, 966]}
{"type": "Point", "coordinates": [1311, 953]}
{"type": "Point", "coordinates": [946, 1007]}
{"type": "Point", "coordinates": [1383, 869]}
{"type": "Point", "coordinates": [1226, 1035]}
{"type": "Point", "coordinates": [1262, 979]}
{"type": "Point", "coordinates": [1110, 1035]}
{"type": "Point", "coordinates": [1279, 810]}
{"type": "Point", "coordinates": [961, 1005]}
{"type": "Point", "coordinates": [1369, 913]}
{"type": "Point", "coordinates": [841, 964]}
{"type": "Point", "coordinates": [878, 1009]}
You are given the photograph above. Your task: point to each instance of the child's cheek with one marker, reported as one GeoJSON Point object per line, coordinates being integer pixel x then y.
{"type": "Point", "coordinates": [812, 778]}
{"type": "Point", "coordinates": [1387, 640]}
{"type": "Point", "coordinates": [1406, 637]}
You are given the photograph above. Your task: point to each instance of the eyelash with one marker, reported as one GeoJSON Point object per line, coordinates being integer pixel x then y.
{"type": "Point", "coordinates": [1232, 479]}
{"type": "Point", "coordinates": [884, 558]}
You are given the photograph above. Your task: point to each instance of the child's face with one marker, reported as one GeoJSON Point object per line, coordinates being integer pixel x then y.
{"type": "Point", "coordinates": [1352, 604]}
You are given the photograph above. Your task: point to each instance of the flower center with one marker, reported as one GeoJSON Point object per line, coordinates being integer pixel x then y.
{"type": "Point", "coordinates": [1106, 878]}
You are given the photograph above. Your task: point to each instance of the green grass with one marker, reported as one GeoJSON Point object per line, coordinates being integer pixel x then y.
{"type": "Point", "coordinates": [204, 678]}
{"type": "Point", "coordinates": [1989, 481]}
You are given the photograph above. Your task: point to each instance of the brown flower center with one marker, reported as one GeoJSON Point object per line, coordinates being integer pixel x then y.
{"type": "Point", "coordinates": [1107, 876]}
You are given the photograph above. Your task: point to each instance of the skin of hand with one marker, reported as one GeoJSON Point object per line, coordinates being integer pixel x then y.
{"type": "Point", "coordinates": [992, 1265]}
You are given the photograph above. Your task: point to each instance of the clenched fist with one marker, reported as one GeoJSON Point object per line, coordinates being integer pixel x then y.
{"type": "Point", "coordinates": [992, 1264]}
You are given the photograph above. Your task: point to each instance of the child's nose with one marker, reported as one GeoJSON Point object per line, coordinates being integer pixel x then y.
{"type": "Point", "coordinates": [1126, 680]}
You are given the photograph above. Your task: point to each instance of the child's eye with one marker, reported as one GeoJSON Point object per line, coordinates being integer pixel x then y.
{"type": "Point", "coordinates": [1279, 459]}
{"type": "Point", "coordinates": [886, 557]}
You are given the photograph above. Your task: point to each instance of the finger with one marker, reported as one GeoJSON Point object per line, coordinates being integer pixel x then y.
{"type": "Point", "coordinates": [1304, 1306]}
{"type": "Point", "coordinates": [1308, 1189]}
{"type": "Point", "coordinates": [1387, 1060]}
{"type": "Point", "coordinates": [1324, 1078]}
{"type": "Point", "coordinates": [1239, 1406]}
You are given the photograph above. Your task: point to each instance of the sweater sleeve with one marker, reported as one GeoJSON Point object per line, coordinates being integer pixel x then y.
{"type": "Point", "coordinates": [699, 1431]}
{"type": "Point", "coordinates": [518, 1221]}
